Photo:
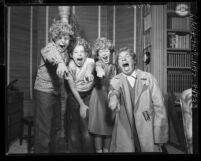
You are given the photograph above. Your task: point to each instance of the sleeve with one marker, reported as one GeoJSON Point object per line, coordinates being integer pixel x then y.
{"type": "Point", "coordinates": [114, 88]}
{"type": "Point", "coordinates": [90, 65]}
{"type": "Point", "coordinates": [113, 71]}
{"type": "Point", "coordinates": [160, 117]}
{"type": "Point", "coordinates": [71, 70]}
{"type": "Point", "coordinates": [99, 66]}
{"type": "Point", "coordinates": [51, 54]}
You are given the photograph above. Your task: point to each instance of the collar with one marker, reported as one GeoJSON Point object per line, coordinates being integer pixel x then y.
{"type": "Point", "coordinates": [134, 75]}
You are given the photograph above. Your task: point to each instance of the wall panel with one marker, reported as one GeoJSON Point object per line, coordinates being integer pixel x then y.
{"type": "Point", "coordinates": [19, 48]}
{"type": "Point", "coordinates": [124, 26]}
{"type": "Point", "coordinates": [87, 17]}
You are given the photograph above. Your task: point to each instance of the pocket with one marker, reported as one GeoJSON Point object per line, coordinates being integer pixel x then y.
{"type": "Point", "coordinates": [148, 114]}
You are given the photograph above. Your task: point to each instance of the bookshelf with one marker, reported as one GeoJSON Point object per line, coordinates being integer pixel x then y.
{"type": "Point", "coordinates": [179, 75]}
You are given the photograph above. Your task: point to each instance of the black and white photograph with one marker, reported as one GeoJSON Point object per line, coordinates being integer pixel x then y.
{"type": "Point", "coordinates": [100, 79]}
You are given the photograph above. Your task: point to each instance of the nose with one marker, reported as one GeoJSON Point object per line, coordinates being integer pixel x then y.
{"type": "Point", "coordinates": [123, 58]}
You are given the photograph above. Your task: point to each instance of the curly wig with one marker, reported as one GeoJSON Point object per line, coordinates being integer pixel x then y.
{"type": "Point", "coordinates": [58, 29]}
{"type": "Point", "coordinates": [102, 43]}
{"type": "Point", "coordinates": [80, 41]}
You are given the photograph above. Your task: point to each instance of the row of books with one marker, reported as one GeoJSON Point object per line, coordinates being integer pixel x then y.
{"type": "Point", "coordinates": [176, 41]}
{"type": "Point", "coordinates": [178, 23]}
{"type": "Point", "coordinates": [179, 59]}
{"type": "Point", "coordinates": [177, 81]}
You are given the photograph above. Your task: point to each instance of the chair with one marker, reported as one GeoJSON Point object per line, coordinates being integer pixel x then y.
{"type": "Point", "coordinates": [29, 122]}
{"type": "Point", "coordinates": [175, 122]}
{"type": "Point", "coordinates": [186, 108]}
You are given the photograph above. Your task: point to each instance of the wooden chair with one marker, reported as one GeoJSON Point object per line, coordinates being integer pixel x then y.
{"type": "Point", "coordinates": [175, 121]}
{"type": "Point", "coordinates": [27, 120]}
{"type": "Point", "coordinates": [186, 108]}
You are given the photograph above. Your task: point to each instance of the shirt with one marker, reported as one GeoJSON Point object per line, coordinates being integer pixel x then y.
{"type": "Point", "coordinates": [131, 78]}
{"type": "Point", "coordinates": [46, 78]}
{"type": "Point", "coordinates": [78, 75]}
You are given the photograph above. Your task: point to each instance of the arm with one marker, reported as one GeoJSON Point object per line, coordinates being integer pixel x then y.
{"type": "Point", "coordinates": [51, 54]}
{"type": "Point", "coordinates": [160, 118]}
{"type": "Point", "coordinates": [89, 70]}
{"type": "Point", "coordinates": [114, 93]}
{"type": "Point", "coordinates": [73, 88]}
{"type": "Point", "coordinates": [100, 71]}
{"type": "Point", "coordinates": [113, 96]}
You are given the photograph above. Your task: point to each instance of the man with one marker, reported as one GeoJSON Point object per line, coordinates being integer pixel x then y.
{"type": "Point", "coordinates": [141, 123]}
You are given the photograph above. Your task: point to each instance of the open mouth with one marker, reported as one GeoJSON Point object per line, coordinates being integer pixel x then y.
{"type": "Point", "coordinates": [125, 65]}
{"type": "Point", "coordinates": [79, 59]}
{"type": "Point", "coordinates": [62, 45]}
{"type": "Point", "coordinates": [105, 57]}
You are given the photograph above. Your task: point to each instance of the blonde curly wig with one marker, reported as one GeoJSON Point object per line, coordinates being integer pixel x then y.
{"type": "Point", "coordinates": [58, 29]}
{"type": "Point", "coordinates": [102, 43]}
{"type": "Point", "coordinates": [82, 42]}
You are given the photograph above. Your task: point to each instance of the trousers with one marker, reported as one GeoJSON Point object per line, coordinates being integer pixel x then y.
{"type": "Point", "coordinates": [47, 121]}
{"type": "Point", "coordinates": [78, 137]}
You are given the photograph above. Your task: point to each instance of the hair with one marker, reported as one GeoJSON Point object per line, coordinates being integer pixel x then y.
{"type": "Point", "coordinates": [131, 53]}
{"type": "Point", "coordinates": [102, 43]}
{"type": "Point", "coordinates": [58, 29]}
{"type": "Point", "coordinates": [79, 41]}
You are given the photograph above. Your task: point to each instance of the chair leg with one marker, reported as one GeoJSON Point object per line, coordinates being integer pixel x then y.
{"type": "Point", "coordinates": [29, 137]}
{"type": "Point", "coordinates": [21, 131]}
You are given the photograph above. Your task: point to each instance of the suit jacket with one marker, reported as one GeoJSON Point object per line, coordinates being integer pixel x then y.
{"type": "Point", "coordinates": [149, 113]}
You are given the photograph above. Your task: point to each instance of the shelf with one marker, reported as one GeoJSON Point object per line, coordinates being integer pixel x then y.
{"type": "Point", "coordinates": [183, 68]}
{"type": "Point", "coordinates": [178, 49]}
{"type": "Point", "coordinates": [179, 30]}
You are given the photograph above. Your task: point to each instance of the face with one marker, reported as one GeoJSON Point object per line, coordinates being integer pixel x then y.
{"type": "Point", "coordinates": [63, 41]}
{"type": "Point", "coordinates": [126, 63]}
{"type": "Point", "coordinates": [79, 55]}
{"type": "Point", "coordinates": [104, 55]}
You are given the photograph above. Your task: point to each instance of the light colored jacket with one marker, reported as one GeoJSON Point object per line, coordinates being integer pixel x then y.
{"type": "Point", "coordinates": [148, 98]}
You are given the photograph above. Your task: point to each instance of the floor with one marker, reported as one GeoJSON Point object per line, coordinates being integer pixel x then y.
{"type": "Point", "coordinates": [16, 148]}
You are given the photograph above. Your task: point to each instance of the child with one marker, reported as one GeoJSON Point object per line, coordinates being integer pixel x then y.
{"type": "Point", "coordinates": [99, 112]}
{"type": "Point", "coordinates": [79, 87]}
{"type": "Point", "coordinates": [47, 87]}
{"type": "Point", "coordinates": [141, 123]}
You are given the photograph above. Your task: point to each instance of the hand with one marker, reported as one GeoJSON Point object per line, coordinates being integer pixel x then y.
{"type": "Point", "coordinates": [88, 77]}
{"type": "Point", "coordinates": [83, 110]}
{"type": "Point", "coordinates": [114, 103]}
{"type": "Point", "coordinates": [100, 73]}
{"type": "Point", "coordinates": [61, 69]}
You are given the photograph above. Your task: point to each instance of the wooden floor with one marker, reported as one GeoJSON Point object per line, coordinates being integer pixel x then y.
{"type": "Point", "coordinates": [16, 148]}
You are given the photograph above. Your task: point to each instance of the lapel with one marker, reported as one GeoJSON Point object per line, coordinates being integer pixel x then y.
{"type": "Point", "coordinates": [141, 85]}
{"type": "Point", "coordinates": [127, 99]}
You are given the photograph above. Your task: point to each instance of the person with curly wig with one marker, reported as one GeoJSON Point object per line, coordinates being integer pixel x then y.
{"type": "Point", "coordinates": [100, 124]}
{"type": "Point", "coordinates": [79, 84]}
{"type": "Point", "coordinates": [141, 122]}
{"type": "Point", "coordinates": [47, 87]}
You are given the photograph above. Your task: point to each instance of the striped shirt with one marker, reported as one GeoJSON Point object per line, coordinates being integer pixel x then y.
{"type": "Point", "coordinates": [47, 79]}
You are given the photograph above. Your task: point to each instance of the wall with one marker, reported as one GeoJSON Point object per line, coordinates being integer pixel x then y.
{"type": "Point", "coordinates": [20, 47]}
{"type": "Point", "coordinates": [124, 27]}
